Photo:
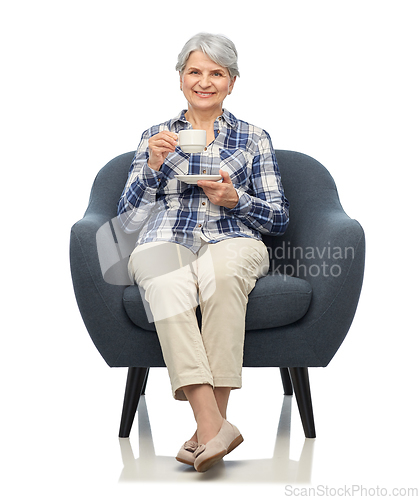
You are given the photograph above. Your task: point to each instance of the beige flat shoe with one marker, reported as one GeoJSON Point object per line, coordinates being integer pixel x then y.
{"type": "Point", "coordinates": [186, 453]}
{"type": "Point", "coordinates": [207, 455]}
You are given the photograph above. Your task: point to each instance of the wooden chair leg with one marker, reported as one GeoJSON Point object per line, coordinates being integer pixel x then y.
{"type": "Point", "coordinates": [301, 384]}
{"type": "Point", "coordinates": [286, 381]}
{"type": "Point", "coordinates": [136, 381]}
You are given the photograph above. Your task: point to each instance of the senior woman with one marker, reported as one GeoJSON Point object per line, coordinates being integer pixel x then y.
{"type": "Point", "coordinates": [201, 244]}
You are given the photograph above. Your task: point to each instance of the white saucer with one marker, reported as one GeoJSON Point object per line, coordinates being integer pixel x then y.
{"type": "Point", "coordinates": [193, 179]}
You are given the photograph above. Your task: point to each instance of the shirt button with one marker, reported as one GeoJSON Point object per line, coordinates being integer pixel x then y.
{"type": "Point", "coordinates": [204, 171]}
{"type": "Point", "coordinates": [203, 203]}
{"type": "Point", "coordinates": [199, 225]}
{"type": "Point", "coordinates": [205, 149]}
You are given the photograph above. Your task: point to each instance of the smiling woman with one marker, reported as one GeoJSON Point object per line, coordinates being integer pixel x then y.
{"type": "Point", "coordinates": [208, 234]}
{"type": "Point", "coordinates": [205, 85]}
{"type": "Point", "coordinates": [208, 70]}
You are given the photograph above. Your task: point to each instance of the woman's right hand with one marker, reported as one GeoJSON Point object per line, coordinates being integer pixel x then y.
{"type": "Point", "coordinates": [160, 145]}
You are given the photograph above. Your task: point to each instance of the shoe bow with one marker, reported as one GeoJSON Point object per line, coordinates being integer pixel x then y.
{"type": "Point", "coordinates": [200, 449]}
{"type": "Point", "coordinates": [190, 446]}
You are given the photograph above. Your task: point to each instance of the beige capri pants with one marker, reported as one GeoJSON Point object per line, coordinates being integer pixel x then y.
{"type": "Point", "coordinates": [218, 278]}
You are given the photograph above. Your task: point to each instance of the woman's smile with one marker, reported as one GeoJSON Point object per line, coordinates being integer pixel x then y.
{"type": "Point", "coordinates": [204, 94]}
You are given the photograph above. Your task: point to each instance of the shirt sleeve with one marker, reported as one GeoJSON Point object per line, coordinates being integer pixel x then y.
{"type": "Point", "coordinates": [266, 208]}
{"type": "Point", "coordinates": [139, 196]}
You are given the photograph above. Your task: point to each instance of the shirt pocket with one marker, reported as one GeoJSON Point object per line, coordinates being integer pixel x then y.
{"type": "Point", "coordinates": [238, 165]}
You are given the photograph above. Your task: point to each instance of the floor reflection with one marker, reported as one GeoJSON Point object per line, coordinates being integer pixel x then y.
{"type": "Point", "coordinates": [280, 468]}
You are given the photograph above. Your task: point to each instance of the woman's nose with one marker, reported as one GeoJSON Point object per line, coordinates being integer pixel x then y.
{"type": "Point", "coordinates": [205, 81]}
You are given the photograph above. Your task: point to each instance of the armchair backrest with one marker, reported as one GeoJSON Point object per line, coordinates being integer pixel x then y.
{"type": "Point", "coordinates": [305, 181]}
{"type": "Point", "coordinates": [308, 186]}
{"type": "Point", "coordinates": [108, 186]}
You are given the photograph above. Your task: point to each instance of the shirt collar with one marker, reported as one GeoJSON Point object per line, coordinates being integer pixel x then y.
{"type": "Point", "coordinates": [226, 117]}
{"type": "Point", "coordinates": [229, 118]}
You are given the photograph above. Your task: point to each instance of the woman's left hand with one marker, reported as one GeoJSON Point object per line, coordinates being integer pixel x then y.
{"type": "Point", "coordinates": [223, 193]}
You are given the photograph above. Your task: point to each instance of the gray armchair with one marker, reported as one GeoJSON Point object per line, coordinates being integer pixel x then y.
{"type": "Point", "coordinates": [297, 317]}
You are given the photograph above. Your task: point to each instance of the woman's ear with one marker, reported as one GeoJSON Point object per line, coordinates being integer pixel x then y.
{"type": "Point", "coordinates": [230, 88]}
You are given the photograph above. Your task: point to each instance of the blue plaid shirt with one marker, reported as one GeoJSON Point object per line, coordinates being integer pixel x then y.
{"type": "Point", "coordinates": [162, 208]}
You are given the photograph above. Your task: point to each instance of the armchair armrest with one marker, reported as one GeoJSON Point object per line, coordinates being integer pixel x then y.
{"type": "Point", "coordinates": [99, 301]}
{"type": "Point", "coordinates": [326, 248]}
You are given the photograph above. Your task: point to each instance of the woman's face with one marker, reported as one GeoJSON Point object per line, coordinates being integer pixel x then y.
{"type": "Point", "coordinates": [205, 83]}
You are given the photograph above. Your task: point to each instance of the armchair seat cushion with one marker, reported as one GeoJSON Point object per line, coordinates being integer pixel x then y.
{"type": "Point", "coordinates": [276, 300]}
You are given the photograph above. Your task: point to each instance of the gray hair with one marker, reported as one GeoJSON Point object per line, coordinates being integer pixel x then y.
{"type": "Point", "coordinates": [217, 47]}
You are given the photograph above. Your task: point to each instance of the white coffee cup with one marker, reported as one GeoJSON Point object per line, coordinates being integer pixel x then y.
{"type": "Point", "coordinates": [192, 141]}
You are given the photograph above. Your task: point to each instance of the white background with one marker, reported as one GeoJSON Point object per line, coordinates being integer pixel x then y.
{"type": "Point", "coordinates": [81, 80]}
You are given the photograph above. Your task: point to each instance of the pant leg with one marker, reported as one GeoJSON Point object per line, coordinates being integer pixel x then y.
{"type": "Point", "coordinates": [165, 271]}
{"type": "Point", "coordinates": [233, 269]}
